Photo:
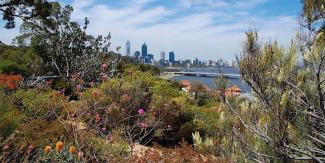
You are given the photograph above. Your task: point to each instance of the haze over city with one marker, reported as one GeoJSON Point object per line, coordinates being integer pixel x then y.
{"type": "Point", "coordinates": [208, 29]}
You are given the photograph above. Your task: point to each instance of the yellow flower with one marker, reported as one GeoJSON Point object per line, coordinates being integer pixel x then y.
{"type": "Point", "coordinates": [72, 150]}
{"type": "Point", "coordinates": [58, 146]}
{"type": "Point", "coordinates": [47, 149]}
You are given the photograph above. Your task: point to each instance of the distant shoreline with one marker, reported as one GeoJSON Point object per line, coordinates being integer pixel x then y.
{"type": "Point", "coordinates": [168, 76]}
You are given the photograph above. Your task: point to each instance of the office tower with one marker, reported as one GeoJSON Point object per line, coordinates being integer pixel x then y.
{"type": "Point", "coordinates": [162, 56]}
{"type": "Point", "coordinates": [195, 61]}
{"type": "Point", "coordinates": [144, 50]}
{"type": "Point", "coordinates": [148, 59]}
{"type": "Point", "coordinates": [128, 48]}
{"type": "Point", "coordinates": [171, 57]}
{"type": "Point", "coordinates": [151, 56]}
{"type": "Point", "coordinates": [137, 54]}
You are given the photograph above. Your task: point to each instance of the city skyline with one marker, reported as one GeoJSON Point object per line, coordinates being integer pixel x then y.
{"type": "Point", "coordinates": [162, 55]}
{"type": "Point", "coordinates": [191, 28]}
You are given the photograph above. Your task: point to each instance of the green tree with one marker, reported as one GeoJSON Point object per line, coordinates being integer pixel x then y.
{"type": "Point", "coordinates": [288, 115]}
{"type": "Point", "coordinates": [313, 12]}
{"type": "Point", "coordinates": [19, 60]}
{"type": "Point", "coordinates": [67, 49]}
{"type": "Point", "coordinates": [23, 9]}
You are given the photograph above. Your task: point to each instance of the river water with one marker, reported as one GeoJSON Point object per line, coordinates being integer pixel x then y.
{"type": "Point", "coordinates": [209, 81]}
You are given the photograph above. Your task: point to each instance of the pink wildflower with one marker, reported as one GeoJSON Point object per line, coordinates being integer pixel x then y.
{"type": "Point", "coordinates": [141, 112]}
{"type": "Point", "coordinates": [104, 66]}
{"type": "Point", "coordinates": [78, 87]}
{"type": "Point", "coordinates": [5, 147]}
{"type": "Point", "coordinates": [104, 129]}
{"type": "Point", "coordinates": [110, 139]}
{"type": "Point", "coordinates": [125, 97]}
{"type": "Point", "coordinates": [97, 118]}
{"type": "Point", "coordinates": [143, 125]}
{"type": "Point", "coordinates": [103, 76]}
{"type": "Point", "coordinates": [30, 148]}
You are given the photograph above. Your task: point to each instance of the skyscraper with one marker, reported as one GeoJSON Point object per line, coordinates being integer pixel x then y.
{"type": "Point", "coordinates": [144, 50]}
{"type": "Point", "coordinates": [136, 54]}
{"type": "Point", "coordinates": [128, 48]}
{"type": "Point", "coordinates": [171, 57]}
{"type": "Point", "coordinates": [162, 56]}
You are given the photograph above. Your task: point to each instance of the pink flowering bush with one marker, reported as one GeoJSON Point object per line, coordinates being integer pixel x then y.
{"type": "Point", "coordinates": [104, 122]}
{"type": "Point", "coordinates": [141, 112]}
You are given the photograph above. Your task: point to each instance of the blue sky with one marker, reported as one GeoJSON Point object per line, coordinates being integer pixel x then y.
{"type": "Point", "coordinates": [206, 29]}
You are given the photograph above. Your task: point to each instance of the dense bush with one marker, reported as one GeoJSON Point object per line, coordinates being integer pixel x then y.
{"type": "Point", "coordinates": [10, 116]}
{"type": "Point", "coordinates": [103, 124]}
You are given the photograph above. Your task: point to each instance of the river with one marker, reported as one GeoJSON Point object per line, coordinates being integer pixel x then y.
{"type": "Point", "coordinates": [209, 81]}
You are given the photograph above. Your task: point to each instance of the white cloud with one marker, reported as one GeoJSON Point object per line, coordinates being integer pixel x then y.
{"type": "Point", "coordinates": [209, 3]}
{"type": "Point", "coordinates": [188, 31]}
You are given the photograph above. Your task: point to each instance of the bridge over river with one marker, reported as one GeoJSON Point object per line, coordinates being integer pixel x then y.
{"type": "Point", "coordinates": [204, 74]}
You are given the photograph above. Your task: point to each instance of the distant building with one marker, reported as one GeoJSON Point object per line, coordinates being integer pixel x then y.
{"type": "Point", "coordinates": [144, 50]}
{"type": "Point", "coordinates": [162, 56]}
{"type": "Point", "coordinates": [195, 61]}
{"type": "Point", "coordinates": [210, 63]}
{"type": "Point", "coordinates": [151, 56]}
{"type": "Point", "coordinates": [137, 54]}
{"type": "Point", "coordinates": [171, 57]}
{"type": "Point", "coordinates": [128, 48]}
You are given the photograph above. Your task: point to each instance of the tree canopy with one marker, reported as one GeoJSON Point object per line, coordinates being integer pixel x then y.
{"type": "Point", "coordinates": [24, 9]}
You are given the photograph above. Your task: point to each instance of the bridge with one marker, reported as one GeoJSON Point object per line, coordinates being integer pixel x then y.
{"type": "Point", "coordinates": [205, 74]}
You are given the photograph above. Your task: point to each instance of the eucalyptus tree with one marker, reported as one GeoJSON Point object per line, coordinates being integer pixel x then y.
{"type": "Point", "coordinates": [23, 9]}
{"type": "Point", "coordinates": [67, 49]}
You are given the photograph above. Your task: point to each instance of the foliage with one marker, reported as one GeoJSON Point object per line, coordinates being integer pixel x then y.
{"type": "Point", "coordinates": [19, 60]}
{"type": "Point", "coordinates": [10, 116]}
{"type": "Point", "coordinates": [204, 146]}
{"type": "Point", "coordinates": [313, 14]}
{"type": "Point", "coordinates": [43, 104]}
{"type": "Point", "coordinates": [10, 82]}
{"type": "Point", "coordinates": [281, 116]}
{"type": "Point", "coordinates": [123, 104]}
{"type": "Point", "coordinates": [67, 49]}
{"type": "Point", "coordinates": [23, 9]}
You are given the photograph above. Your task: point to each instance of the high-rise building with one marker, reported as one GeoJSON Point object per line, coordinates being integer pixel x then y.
{"type": "Point", "coordinates": [171, 57]}
{"type": "Point", "coordinates": [195, 61]}
{"type": "Point", "coordinates": [137, 54]}
{"type": "Point", "coordinates": [128, 48]}
{"type": "Point", "coordinates": [144, 50]}
{"type": "Point", "coordinates": [149, 58]}
{"type": "Point", "coordinates": [162, 56]}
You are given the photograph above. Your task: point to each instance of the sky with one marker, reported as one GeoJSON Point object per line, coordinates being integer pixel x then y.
{"type": "Point", "coordinates": [205, 29]}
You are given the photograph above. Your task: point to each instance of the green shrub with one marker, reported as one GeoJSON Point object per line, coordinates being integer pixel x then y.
{"type": "Point", "coordinates": [61, 84]}
{"type": "Point", "coordinates": [105, 150]}
{"type": "Point", "coordinates": [10, 116]}
{"type": "Point", "coordinates": [44, 104]}
{"type": "Point", "coordinates": [206, 146]}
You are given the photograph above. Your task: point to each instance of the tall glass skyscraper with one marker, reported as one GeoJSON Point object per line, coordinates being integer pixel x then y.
{"type": "Point", "coordinates": [171, 57]}
{"type": "Point", "coordinates": [144, 50]}
{"type": "Point", "coordinates": [128, 48]}
{"type": "Point", "coordinates": [162, 56]}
